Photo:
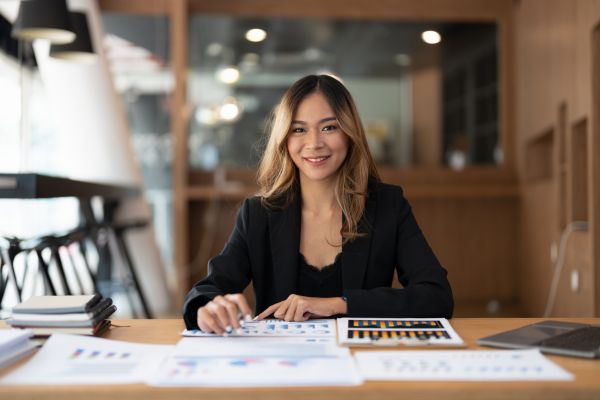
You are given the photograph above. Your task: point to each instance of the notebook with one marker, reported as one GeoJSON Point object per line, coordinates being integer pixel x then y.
{"type": "Point", "coordinates": [57, 304]}
{"type": "Point", "coordinates": [553, 337]}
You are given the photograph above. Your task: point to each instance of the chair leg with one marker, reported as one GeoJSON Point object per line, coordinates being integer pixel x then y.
{"type": "Point", "coordinates": [61, 270]}
{"type": "Point", "coordinates": [2, 280]}
{"type": "Point", "coordinates": [115, 253]}
{"type": "Point", "coordinates": [43, 267]}
{"type": "Point", "coordinates": [119, 235]}
{"type": "Point", "coordinates": [83, 252]}
{"type": "Point", "coordinates": [9, 256]}
{"type": "Point", "coordinates": [74, 268]}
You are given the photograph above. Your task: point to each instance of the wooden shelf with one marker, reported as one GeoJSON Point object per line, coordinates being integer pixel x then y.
{"type": "Point", "coordinates": [539, 155]}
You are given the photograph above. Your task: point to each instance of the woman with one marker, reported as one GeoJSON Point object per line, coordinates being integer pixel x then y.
{"type": "Point", "coordinates": [325, 235]}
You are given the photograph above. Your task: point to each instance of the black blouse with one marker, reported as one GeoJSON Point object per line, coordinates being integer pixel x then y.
{"type": "Point", "coordinates": [320, 282]}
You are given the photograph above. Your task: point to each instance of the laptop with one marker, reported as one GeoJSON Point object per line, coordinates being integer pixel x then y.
{"type": "Point", "coordinates": [553, 337]}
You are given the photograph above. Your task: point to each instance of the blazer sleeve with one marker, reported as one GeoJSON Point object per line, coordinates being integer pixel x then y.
{"type": "Point", "coordinates": [229, 272]}
{"type": "Point", "coordinates": [426, 291]}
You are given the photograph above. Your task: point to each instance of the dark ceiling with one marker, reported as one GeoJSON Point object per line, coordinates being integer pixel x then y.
{"type": "Point", "coordinates": [346, 47]}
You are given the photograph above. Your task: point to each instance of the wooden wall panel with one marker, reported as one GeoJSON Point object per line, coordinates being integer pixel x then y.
{"type": "Point", "coordinates": [427, 124]}
{"type": "Point", "coordinates": [553, 64]}
{"type": "Point", "coordinates": [475, 240]}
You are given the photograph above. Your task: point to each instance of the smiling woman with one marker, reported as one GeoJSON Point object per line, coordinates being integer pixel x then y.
{"type": "Point", "coordinates": [325, 235]}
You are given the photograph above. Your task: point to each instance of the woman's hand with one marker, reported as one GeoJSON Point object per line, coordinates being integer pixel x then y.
{"type": "Point", "coordinates": [222, 314]}
{"type": "Point", "coordinates": [301, 308]}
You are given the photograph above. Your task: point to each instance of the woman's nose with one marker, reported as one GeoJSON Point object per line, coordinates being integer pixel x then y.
{"type": "Point", "coordinates": [314, 139]}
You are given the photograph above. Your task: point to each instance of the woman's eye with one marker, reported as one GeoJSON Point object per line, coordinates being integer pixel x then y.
{"type": "Point", "coordinates": [297, 130]}
{"type": "Point", "coordinates": [329, 128]}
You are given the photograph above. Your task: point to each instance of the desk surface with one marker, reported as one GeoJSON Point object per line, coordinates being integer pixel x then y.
{"type": "Point", "coordinates": [585, 386]}
{"type": "Point", "coordinates": [36, 186]}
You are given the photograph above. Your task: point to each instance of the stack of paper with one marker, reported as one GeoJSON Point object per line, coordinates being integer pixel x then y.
{"type": "Point", "coordinates": [45, 315]}
{"type": "Point", "coordinates": [14, 344]}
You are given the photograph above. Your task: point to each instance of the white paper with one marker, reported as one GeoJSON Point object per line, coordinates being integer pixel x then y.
{"type": "Point", "coordinates": [276, 328]}
{"type": "Point", "coordinates": [253, 362]}
{"type": "Point", "coordinates": [74, 359]}
{"type": "Point", "coordinates": [12, 337]}
{"type": "Point", "coordinates": [397, 331]}
{"type": "Point", "coordinates": [8, 357]}
{"type": "Point", "coordinates": [459, 365]}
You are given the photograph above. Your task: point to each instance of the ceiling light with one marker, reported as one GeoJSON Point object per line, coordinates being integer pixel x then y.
{"type": "Point", "coordinates": [230, 110]}
{"type": "Point", "coordinates": [431, 37]}
{"type": "Point", "coordinates": [229, 75]}
{"type": "Point", "coordinates": [256, 35]}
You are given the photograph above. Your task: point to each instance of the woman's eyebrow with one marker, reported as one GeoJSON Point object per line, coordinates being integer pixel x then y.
{"type": "Point", "coordinates": [320, 121]}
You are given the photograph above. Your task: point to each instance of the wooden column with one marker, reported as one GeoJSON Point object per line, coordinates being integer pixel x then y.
{"type": "Point", "coordinates": [179, 124]}
{"type": "Point", "coordinates": [594, 162]}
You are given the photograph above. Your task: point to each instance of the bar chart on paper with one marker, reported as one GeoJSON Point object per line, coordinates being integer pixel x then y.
{"type": "Point", "coordinates": [390, 331]}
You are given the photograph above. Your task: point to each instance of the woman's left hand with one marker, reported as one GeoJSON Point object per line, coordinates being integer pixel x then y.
{"type": "Point", "coordinates": [301, 308]}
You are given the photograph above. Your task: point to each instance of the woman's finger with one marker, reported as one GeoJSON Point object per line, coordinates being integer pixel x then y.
{"type": "Point", "coordinates": [270, 310]}
{"type": "Point", "coordinates": [206, 322]}
{"type": "Point", "coordinates": [242, 304]}
{"type": "Point", "coordinates": [301, 313]}
{"type": "Point", "coordinates": [232, 312]}
{"type": "Point", "coordinates": [282, 309]}
{"type": "Point", "coordinates": [291, 310]}
{"type": "Point", "coordinates": [219, 312]}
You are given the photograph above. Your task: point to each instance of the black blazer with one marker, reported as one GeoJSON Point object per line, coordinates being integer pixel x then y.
{"type": "Point", "coordinates": [264, 247]}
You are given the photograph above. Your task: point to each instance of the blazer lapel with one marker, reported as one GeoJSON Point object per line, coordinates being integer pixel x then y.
{"type": "Point", "coordinates": [355, 254]}
{"type": "Point", "coordinates": [284, 232]}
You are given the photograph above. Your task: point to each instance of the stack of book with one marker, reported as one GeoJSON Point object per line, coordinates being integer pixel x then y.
{"type": "Point", "coordinates": [14, 344]}
{"type": "Point", "coordinates": [45, 315]}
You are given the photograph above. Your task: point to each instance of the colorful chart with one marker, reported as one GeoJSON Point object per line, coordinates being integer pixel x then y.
{"type": "Point", "coordinates": [275, 327]}
{"type": "Point", "coordinates": [416, 331]}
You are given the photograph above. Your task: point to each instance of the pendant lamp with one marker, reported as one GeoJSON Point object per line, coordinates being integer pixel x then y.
{"type": "Point", "coordinates": [81, 49]}
{"type": "Point", "coordinates": [44, 19]}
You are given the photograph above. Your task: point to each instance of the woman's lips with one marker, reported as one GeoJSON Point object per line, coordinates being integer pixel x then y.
{"type": "Point", "coordinates": [316, 160]}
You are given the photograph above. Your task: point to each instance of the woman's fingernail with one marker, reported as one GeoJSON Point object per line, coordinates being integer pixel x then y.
{"type": "Point", "coordinates": [228, 329]}
{"type": "Point", "coordinates": [248, 318]}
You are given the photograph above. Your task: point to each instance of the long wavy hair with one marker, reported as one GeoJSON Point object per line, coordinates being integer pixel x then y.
{"type": "Point", "coordinates": [278, 176]}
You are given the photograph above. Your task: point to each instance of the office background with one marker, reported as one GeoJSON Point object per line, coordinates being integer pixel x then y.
{"type": "Point", "coordinates": [493, 132]}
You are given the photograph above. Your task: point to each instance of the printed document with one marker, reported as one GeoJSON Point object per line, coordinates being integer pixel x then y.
{"type": "Point", "coordinates": [253, 362]}
{"type": "Point", "coordinates": [459, 365]}
{"type": "Point", "coordinates": [73, 359]}
{"type": "Point", "coordinates": [277, 327]}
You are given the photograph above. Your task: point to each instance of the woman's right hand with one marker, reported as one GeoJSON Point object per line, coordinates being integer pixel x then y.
{"type": "Point", "coordinates": [223, 314]}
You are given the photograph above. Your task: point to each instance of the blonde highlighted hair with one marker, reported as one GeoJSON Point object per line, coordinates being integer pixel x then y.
{"type": "Point", "coordinates": [278, 175]}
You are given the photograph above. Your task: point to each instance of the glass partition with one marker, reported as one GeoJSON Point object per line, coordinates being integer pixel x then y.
{"type": "Point", "coordinates": [137, 49]}
{"type": "Point", "coordinates": [424, 100]}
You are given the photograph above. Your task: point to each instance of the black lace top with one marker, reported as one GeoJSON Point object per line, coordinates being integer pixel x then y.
{"type": "Point", "coordinates": [323, 282]}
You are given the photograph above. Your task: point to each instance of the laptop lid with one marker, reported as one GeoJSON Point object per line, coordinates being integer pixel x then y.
{"type": "Point", "coordinates": [530, 335]}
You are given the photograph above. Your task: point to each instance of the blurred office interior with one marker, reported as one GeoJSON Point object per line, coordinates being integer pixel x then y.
{"type": "Point", "coordinates": [485, 112]}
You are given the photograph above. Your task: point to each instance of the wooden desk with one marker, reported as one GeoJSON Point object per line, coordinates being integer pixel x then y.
{"type": "Point", "coordinates": [585, 386]}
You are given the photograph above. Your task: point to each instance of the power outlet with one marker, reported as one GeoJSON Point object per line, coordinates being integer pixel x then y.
{"type": "Point", "coordinates": [575, 280]}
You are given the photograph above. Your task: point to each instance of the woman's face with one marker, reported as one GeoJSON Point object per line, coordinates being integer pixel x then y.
{"type": "Point", "coordinates": [316, 143]}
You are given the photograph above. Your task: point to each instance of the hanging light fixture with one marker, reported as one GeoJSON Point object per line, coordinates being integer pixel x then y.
{"type": "Point", "coordinates": [81, 49]}
{"type": "Point", "coordinates": [44, 19]}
